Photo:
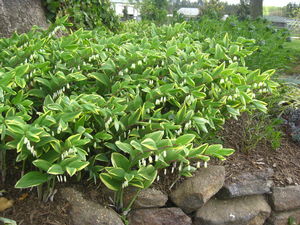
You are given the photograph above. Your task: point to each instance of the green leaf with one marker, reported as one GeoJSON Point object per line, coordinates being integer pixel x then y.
{"type": "Point", "coordinates": [32, 136]}
{"type": "Point", "coordinates": [124, 147]}
{"type": "Point", "coordinates": [260, 105]}
{"type": "Point", "coordinates": [78, 165]}
{"type": "Point", "coordinates": [20, 82]}
{"type": "Point", "coordinates": [21, 70]}
{"type": "Point", "coordinates": [133, 119]}
{"type": "Point", "coordinates": [171, 50]}
{"type": "Point", "coordinates": [218, 151]}
{"type": "Point", "coordinates": [116, 172]}
{"type": "Point", "coordinates": [71, 171]}
{"type": "Point", "coordinates": [7, 221]}
{"type": "Point", "coordinates": [155, 136]}
{"type": "Point", "coordinates": [233, 111]}
{"type": "Point", "coordinates": [55, 169]}
{"type": "Point", "coordinates": [180, 116]}
{"type": "Point", "coordinates": [110, 183]}
{"type": "Point", "coordinates": [149, 173]}
{"type": "Point", "coordinates": [42, 164]}
{"type": "Point", "coordinates": [70, 116]}
{"type": "Point", "coordinates": [149, 143]}
{"type": "Point", "coordinates": [32, 179]}
{"type": "Point", "coordinates": [78, 76]}
{"type": "Point", "coordinates": [119, 160]}
{"type": "Point", "coordinates": [103, 135]}
{"type": "Point", "coordinates": [185, 139]}
{"type": "Point", "coordinates": [101, 157]}
{"type": "Point", "coordinates": [101, 77]}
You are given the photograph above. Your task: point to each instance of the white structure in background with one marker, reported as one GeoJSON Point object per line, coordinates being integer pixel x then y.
{"type": "Point", "coordinates": [225, 17]}
{"type": "Point", "coordinates": [131, 5]}
{"type": "Point", "coordinates": [189, 12]}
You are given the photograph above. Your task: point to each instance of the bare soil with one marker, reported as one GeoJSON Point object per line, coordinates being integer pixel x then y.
{"type": "Point", "coordinates": [284, 160]}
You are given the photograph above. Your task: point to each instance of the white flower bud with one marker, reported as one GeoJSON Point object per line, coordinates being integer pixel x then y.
{"type": "Point", "coordinates": [26, 140]}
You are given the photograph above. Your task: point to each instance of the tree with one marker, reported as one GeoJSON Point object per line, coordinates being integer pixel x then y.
{"type": "Point", "coordinates": [154, 10]}
{"type": "Point", "coordinates": [256, 8]}
{"type": "Point", "coordinates": [20, 16]}
{"type": "Point", "coordinates": [84, 14]}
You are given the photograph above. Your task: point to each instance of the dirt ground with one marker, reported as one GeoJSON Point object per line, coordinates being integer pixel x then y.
{"type": "Point", "coordinates": [284, 161]}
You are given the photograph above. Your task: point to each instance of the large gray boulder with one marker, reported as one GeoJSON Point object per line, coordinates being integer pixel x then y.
{"type": "Point", "coordinates": [147, 198]}
{"type": "Point", "coordinates": [254, 183]}
{"type": "Point", "coordinates": [20, 16]}
{"type": "Point", "coordinates": [159, 216]}
{"type": "Point", "coordinates": [285, 198]}
{"type": "Point", "coordinates": [194, 192]}
{"type": "Point", "coordinates": [85, 212]}
{"type": "Point", "coordinates": [250, 210]}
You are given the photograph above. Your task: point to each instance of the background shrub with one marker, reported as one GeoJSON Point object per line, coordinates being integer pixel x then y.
{"type": "Point", "coordinates": [84, 14]}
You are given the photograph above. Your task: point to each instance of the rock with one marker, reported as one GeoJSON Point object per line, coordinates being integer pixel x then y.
{"type": "Point", "coordinates": [282, 218]}
{"type": "Point", "coordinates": [88, 212]}
{"type": "Point", "coordinates": [285, 198]}
{"type": "Point", "coordinates": [5, 203]}
{"type": "Point", "coordinates": [197, 190]}
{"type": "Point", "coordinates": [147, 198]}
{"type": "Point", "coordinates": [249, 210]}
{"type": "Point", "coordinates": [159, 216]}
{"type": "Point", "coordinates": [20, 16]}
{"type": "Point", "coordinates": [247, 184]}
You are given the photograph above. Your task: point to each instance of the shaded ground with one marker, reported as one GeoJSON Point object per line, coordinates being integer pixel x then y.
{"type": "Point", "coordinates": [284, 160]}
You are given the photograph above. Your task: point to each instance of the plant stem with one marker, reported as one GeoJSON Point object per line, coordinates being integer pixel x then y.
{"type": "Point", "coordinates": [40, 191]}
{"type": "Point", "coordinates": [121, 198]}
{"type": "Point", "coordinates": [131, 202]}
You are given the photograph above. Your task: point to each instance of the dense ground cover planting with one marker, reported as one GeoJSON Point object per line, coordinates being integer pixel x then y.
{"type": "Point", "coordinates": [270, 40]}
{"type": "Point", "coordinates": [123, 106]}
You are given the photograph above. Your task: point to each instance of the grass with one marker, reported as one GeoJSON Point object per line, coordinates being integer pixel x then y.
{"type": "Point", "coordinates": [293, 45]}
{"type": "Point", "coordinates": [294, 48]}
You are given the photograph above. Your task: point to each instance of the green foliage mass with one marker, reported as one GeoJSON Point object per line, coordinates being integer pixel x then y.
{"type": "Point", "coordinates": [87, 14]}
{"type": "Point", "coordinates": [122, 106]}
{"type": "Point", "coordinates": [154, 10]}
{"type": "Point", "coordinates": [270, 40]}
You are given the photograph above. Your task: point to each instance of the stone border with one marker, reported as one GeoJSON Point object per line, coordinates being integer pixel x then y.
{"type": "Point", "coordinates": [204, 199]}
